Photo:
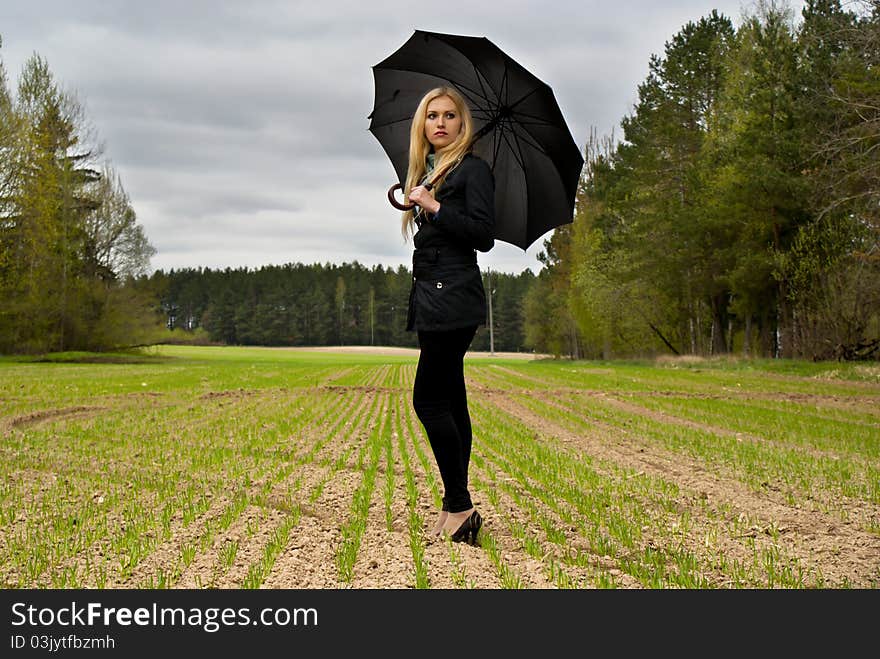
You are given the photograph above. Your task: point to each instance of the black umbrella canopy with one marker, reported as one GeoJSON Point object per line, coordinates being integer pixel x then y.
{"type": "Point", "coordinates": [520, 129]}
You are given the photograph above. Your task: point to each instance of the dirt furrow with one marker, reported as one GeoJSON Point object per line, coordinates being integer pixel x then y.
{"type": "Point", "coordinates": [672, 418]}
{"type": "Point", "coordinates": [850, 507]}
{"type": "Point", "coordinates": [499, 520]}
{"type": "Point", "coordinates": [198, 573]}
{"type": "Point", "coordinates": [385, 558]}
{"type": "Point", "coordinates": [206, 565]}
{"type": "Point", "coordinates": [251, 533]}
{"type": "Point", "coordinates": [816, 539]}
{"type": "Point", "coordinates": [516, 515]}
{"type": "Point", "coordinates": [309, 558]}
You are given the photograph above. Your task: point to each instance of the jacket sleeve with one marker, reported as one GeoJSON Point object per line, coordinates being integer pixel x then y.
{"type": "Point", "coordinates": [475, 224]}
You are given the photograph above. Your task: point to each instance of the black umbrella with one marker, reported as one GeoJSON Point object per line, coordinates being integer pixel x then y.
{"type": "Point", "coordinates": [519, 129]}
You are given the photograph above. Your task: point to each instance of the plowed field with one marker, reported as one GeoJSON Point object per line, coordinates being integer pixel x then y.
{"type": "Point", "coordinates": [237, 468]}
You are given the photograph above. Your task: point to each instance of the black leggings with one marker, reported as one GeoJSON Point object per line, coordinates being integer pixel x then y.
{"type": "Point", "coordinates": [440, 401]}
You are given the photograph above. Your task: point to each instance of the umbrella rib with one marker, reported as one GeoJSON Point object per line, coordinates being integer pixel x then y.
{"type": "Point", "coordinates": [538, 122]}
{"type": "Point", "coordinates": [493, 112]}
{"type": "Point", "coordinates": [528, 139]}
{"type": "Point", "coordinates": [517, 151]}
{"type": "Point", "coordinates": [473, 93]}
{"type": "Point", "coordinates": [533, 141]}
{"type": "Point", "coordinates": [490, 112]}
{"type": "Point", "coordinates": [505, 87]}
{"type": "Point", "coordinates": [496, 135]}
{"type": "Point", "coordinates": [479, 95]}
{"type": "Point", "coordinates": [485, 96]}
{"type": "Point", "coordinates": [534, 120]}
{"type": "Point", "coordinates": [525, 96]}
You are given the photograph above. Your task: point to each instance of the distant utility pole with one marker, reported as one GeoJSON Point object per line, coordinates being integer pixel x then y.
{"type": "Point", "coordinates": [491, 327]}
{"type": "Point", "coordinates": [372, 297]}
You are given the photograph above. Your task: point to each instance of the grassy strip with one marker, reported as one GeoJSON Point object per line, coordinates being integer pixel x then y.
{"type": "Point", "coordinates": [797, 473]}
{"type": "Point", "coordinates": [795, 426]}
{"type": "Point", "coordinates": [581, 496]}
{"type": "Point", "coordinates": [327, 425]}
{"type": "Point", "coordinates": [415, 523]}
{"type": "Point", "coordinates": [334, 465]}
{"type": "Point", "coordinates": [491, 485]}
{"type": "Point", "coordinates": [143, 528]}
{"type": "Point", "coordinates": [258, 571]}
{"type": "Point", "coordinates": [627, 505]}
{"type": "Point", "coordinates": [134, 524]}
{"type": "Point", "coordinates": [248, 496]}
{"type": "Point", "coordinates": [352, 531]}
{"type": "Point", "coordinates": [620, 377]}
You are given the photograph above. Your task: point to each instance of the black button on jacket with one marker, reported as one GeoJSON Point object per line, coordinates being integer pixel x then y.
{"type": "Point", "coordinates": [447, 290]}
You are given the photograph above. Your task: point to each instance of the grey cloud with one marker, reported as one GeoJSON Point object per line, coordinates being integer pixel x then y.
{"type": "Point", "coordinates": [239, 129]}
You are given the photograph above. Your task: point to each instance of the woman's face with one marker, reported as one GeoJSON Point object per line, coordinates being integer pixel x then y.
{"type": "Point", "coordinates": [442, 122]}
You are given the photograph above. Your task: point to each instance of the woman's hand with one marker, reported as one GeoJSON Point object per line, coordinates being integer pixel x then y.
{"type": "Point", "coordinates": [419, 195]}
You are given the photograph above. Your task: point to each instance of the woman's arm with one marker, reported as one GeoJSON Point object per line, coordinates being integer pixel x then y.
{"type": "Point", "coordinates": [475, 225]}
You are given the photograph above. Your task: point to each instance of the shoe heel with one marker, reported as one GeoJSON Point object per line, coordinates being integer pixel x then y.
{"type": "Point", "coordinates": [476, 523]}
{"type": "Point", "coordinates": [467, 532]}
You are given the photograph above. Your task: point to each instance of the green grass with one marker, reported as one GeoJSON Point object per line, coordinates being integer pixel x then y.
{"type": "Point", "coordinates": [108, 459]}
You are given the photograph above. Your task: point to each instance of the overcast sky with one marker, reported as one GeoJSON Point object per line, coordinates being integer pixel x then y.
{"type": "Point", "coordinates": [239, 129]}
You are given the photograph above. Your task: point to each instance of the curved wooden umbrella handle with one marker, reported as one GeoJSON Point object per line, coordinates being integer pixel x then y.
{"type": "Point", "coordinates": [399, 206]}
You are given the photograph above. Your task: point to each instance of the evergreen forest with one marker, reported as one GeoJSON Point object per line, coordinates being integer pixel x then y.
{"type": "Point", "coordinates": [737, 211]}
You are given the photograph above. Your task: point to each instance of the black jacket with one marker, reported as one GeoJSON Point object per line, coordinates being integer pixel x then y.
{"type": "Point", "coordinates": [447, 289]}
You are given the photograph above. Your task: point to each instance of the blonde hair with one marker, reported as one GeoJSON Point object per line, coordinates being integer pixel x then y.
{"type": "Point", "coordinates": [419, 147]}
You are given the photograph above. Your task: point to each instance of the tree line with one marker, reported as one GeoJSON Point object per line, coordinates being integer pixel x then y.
{"type": "Point", "coordinates": [321, 305]}
{"type": "Point", "coordinates": [69, 237]}
{"type": "Point", "coordinates": [740, 211]}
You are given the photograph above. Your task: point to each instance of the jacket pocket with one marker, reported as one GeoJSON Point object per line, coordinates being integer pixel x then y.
{"type": "Point", "coordinates": [449, 297]}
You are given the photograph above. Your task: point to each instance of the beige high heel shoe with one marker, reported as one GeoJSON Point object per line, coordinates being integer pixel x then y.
{"type": "Point", "coordinates": [441, 520]}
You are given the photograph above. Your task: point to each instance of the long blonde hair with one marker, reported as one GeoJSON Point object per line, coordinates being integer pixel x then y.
{"type": "Point", "coordinates": [419, 147]}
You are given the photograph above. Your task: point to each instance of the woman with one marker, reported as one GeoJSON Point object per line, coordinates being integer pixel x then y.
{"type": "Point", "coordinates": [453, 194]}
